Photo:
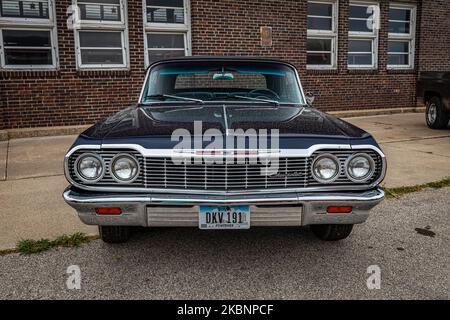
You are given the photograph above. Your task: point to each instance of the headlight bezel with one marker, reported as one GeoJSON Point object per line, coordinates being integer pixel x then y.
{"type": "Point", "coordinates": [78, 171]}
{"type": "Point", "coordinates": [112, 171]}
{"type": "Point", "coordinates": [368, 176]}
{"type": "Point", "coordinates": [335, 159]}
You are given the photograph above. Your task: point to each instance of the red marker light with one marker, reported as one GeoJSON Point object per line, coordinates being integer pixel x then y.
{"type": "Point", "coordinates": [339, 209]}
{"type": "Point", "coordinates": [108, 211]}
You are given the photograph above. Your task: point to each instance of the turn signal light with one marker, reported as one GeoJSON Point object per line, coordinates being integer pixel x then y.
{"type": "Point", "coordinates": [339, 209]}
{"type": "Point", "coordinates": [108, 211]}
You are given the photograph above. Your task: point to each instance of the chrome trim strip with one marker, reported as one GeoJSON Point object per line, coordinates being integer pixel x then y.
{"type": "Point", "coordinates": [288, 153]}
{"type": "Point", "coordinates": [370, 195]}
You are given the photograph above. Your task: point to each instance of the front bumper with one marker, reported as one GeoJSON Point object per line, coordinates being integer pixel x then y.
{"type": "Point", "coordinates": [170, 210]}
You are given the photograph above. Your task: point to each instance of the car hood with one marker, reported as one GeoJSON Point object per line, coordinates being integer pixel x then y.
{"type": "Point", "coordinates": [163, 120]}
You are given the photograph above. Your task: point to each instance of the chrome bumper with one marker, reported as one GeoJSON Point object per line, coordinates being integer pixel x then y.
{"type": "Point", "coordinates": [167, 210]}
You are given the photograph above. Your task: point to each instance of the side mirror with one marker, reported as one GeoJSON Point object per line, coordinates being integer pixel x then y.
{"type": "Point", "coordinates": [309, 98]}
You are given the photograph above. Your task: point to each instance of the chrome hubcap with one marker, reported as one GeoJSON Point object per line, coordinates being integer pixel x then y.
{"type": "Point", "coordinates": [432, 113]}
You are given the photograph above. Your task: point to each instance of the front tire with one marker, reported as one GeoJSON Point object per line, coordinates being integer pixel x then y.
{"type": "Point", "coordinates": [332, 232]}
{"type": "Point", "coordinates": [114, 234]}
{"type": "Point", "coordinates": [436, 116]}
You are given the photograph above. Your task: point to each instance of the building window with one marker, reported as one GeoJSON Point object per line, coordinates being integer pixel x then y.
{"type": "Point", "coordinates": [401, 42]}
{"type": "Point", "coordinates": [321, 52]}
{"type": "Point", "coordinates": [27, 34]}
{"type": "Point", "coordinates": [167, 29]}
{"type": "Point", "coordinates": [102, 35]}
{"type": "Point", "coordinates": [363, 21]}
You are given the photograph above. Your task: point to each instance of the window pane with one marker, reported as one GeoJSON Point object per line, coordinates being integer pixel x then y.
{"type": "Point", "coordinates": [18, 57]}
{"type": "Point", "coordinates": [165, 3]}
{"type": "Point", "coordinates": [360, 25]}
{"type": "Point", "coordinates": [100, 40]}
{"type": "Point", "coordinates": [399, 27]}
{"type": "Point", "coordinates": [359, 12]}
{"type": "Point", "coordinates": [359, 59]}
{"type": "Point", "coordinates": [156, 40]}
{"type": "Point", "coordinates": [26, 38]}
{"type": "Point", "coordinates": [319, 23]}
{"type": "Point", "coordinates": [400, 14]}
{"type": "Point", "coordinates": [318, 45]}
{"type": "Point", "coordinates": [398, 46]}
{"type": "Point", "coordinates": [100, 10]}
{"type": "Point", "coordinates": [154, 55]}
{"type": "Point", "coordinates": [359, 46]}
{"type": "Point", "coordinates": [101, 56]}
{"type": "Point", "coordinates": [318, 58]}
{"type": "Point", "coordinates": [320, 9]}
{"type": "Point", "coordinates": [398, 59]}
{"type": "Point", "coordinates": [165, 15]}
{"type": "Point", "coordinates": [24, 9]}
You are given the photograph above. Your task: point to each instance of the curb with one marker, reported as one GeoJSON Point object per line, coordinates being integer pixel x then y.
{"type": "Point", "coordinates": [74, 130]}
{"type": "Point", "coordinates": [41, 132]}
{"type": "Point", "coordinates": [375, 112]}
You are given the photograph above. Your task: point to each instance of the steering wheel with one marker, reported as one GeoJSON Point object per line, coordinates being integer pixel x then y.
{"type": "Point", "coordinates": [264, 92]}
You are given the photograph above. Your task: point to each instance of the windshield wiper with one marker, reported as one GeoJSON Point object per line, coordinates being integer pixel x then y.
{"type": "Point", "coordinates": [249, 98]}
{"type": "Point", "coordinates": [165, 96]}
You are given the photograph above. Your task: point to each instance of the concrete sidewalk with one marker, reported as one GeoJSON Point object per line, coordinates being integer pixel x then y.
{"type": "Point", "coordinates": [32, 181]}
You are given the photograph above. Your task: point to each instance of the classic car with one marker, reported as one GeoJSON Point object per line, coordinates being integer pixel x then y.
{"type": "Point", "coordinates": [164, 162]}
{"type": "Point", "coordinates": [433, 89]}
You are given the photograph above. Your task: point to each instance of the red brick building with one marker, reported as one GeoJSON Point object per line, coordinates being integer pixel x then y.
{"type": "Point", "coordinates": [67, 62]}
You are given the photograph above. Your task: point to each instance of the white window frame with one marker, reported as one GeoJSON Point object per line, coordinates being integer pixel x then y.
{"type": "Point", "coordinates": [372, 36]}
{"type": "Point", "coordinates": [168, 28]}
{"type": "Point", "coordinates": [403, 37]}
{"type": "Point", "coordinates": [104, 26]}
{"type": "Point", "coordinates": [326, 35]}
{"type": "Point", "coordinates": [31, 24]}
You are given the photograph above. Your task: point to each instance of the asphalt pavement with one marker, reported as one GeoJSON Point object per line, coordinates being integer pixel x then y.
{"type": "Point", "coordinates": [407, 238]}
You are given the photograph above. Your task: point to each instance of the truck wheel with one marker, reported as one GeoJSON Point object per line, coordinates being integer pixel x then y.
{"type": "Point", "coordinates": [331, 232]}
{"type": "Point", "coordinates": [113, 234]}
{"type": "Point", "coordinates": [436, 116]}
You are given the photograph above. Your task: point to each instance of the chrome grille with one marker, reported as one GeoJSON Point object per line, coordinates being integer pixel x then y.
{"type": "Point", "coordinates": [163, 173]}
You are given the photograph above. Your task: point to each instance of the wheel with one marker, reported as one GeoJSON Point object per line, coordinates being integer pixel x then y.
{"type": "Point", "coordinates": [113, 234]}
{"type": "Point", "coordinates": [332, 232]}
{"type": "Point", "coordinates": [436, 116]}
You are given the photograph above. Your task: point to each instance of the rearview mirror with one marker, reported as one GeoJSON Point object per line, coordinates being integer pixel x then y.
{"type": "Point", "coordinates": [223, 76]}
{"type": "Point", "coordinates": [309, 98]}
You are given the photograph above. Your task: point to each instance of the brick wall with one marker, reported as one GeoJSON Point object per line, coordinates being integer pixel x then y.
{"type": "Point", "coordinates": [435, 36]}
{"type": "Point", "coordinates": [226, 27]}
{"type": "Point", "coordinates": [68, 96]}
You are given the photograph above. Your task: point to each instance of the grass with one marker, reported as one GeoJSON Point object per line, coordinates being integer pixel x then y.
{"type": "Point", "coordinates": [400, 191]}
{"type": "Point", "coordinates": [34, 246]}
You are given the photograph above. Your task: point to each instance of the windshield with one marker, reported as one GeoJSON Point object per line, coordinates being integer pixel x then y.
{"type": "Point", "coordinates": [234, 81]}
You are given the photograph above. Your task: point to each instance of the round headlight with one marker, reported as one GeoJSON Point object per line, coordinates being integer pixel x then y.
{"type": "Point", "coordinates": [124, 168]}
{"type": "Point", "coordinates": [326, 168]}
{"type": "Point", "coordinates": [360, 167]}
{"type": "Point", "coordinates": [89, 167]}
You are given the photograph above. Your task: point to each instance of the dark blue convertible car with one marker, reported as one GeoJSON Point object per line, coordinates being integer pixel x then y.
{"type": "Point", "coordinates": [223, 143]}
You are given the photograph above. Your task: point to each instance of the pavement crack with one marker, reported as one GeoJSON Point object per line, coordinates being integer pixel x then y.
{"type": "Point", "coordinates": [6, 163]}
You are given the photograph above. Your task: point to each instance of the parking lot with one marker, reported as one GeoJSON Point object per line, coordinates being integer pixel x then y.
{"type": "Point", "coordinates": [272, 263]}
{"type": "Point", "coordinates": [407, 238]}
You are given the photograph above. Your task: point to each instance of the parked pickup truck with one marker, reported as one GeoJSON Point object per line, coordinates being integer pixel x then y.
{"type": "Point", "coordinates": [434, 90]}
{"type": "Point", "coordinates": [223, 143]}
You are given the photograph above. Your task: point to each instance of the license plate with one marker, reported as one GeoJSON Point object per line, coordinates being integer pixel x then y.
{"type": "Point", "coordinates": [224, 217]}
